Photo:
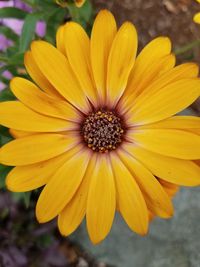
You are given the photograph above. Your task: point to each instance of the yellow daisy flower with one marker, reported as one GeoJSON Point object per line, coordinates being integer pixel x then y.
{"type": "Point", "coordinates": [197, 16]}
{"type": "Point", "coordinates": [98, 128]}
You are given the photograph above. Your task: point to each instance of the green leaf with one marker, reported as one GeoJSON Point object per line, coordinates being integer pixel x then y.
{"type": "Point", "coordinates": [54, 20]}
{"type": "Point", "coordinates": [28, 32]}
{"type": "Point", "coordinates": [5, 136]}
{"type": "Point", "coordinates": [27, 198]}
{"type": "Point", "coordinates": [10, 34]}
{"type": "Point", "coordinates": [12, 12]}
{"type": "Point", "coordinates": [6, 95]}
{"type": "Point", "coordinates": [82, 15]}
{"type": "Point", "coordinates": [4, 170]}
{"type": "Point", "coordinates": [17, 59]}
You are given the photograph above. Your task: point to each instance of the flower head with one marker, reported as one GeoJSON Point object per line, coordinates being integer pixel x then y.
{"type": "Point", "coordinates": [98, 128]}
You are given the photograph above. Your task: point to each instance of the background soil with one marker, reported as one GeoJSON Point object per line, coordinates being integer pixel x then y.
{"type": "Point", "coordinates": [153, 18]}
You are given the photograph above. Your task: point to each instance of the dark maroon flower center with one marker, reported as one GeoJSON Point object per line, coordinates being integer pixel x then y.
{"type": "Point", "coordinates": [102, 131]}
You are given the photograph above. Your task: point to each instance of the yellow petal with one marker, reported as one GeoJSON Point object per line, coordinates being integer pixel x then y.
{"type": "Point", "coordinates": [155, 70]}
{"type": "Point", "coordinates": [170, 189]}
{"type": "Point", "coordinates": [121, 61]}
{"type": "Point", "coordinates": [103, 33]}
{"type": "Point", "coordinates": [60, 42]}
{"type": "Point", "coordinates": [159, 67]}
{"type": "Point", "coordinates": [30, 177]}
{"type": "Point", "coordinates": [101, 202]}
{"type": "Point", "coordinates": [187, 70]}
{"type": "Point", "coordinates": [55, 67]}
{"type": "Point", "coordinates": [37, 76]}
{"type": "Point", "coordinates": [150, 56]}
{"type": "Point", "coordinates": [176, 122]}
{"type": "Point", "coordinates": [156, 198]}
{"type": "Point", "coordinates": [72, 215]}
{"type": "Point", "coordinates": [30, 95]}
{"type": "Point", "coordinates": [172, 143]}
{"type": "Point", "coordinates": [35, 148]}
{"type": "Point", "coordinates": [176, 171]}
{"type": "Point", "coordinates": [14, 114]}
{"type": "Point", "coordinates": [196, 18]}
{"type": "Point", "coordinates": [166, 102]}
{"type": "Point", "coordinates": [130, 200]}
{"type": "Point", "coordinates": [77, 46]}
{"type": "Point", "coordinates": [168, 63]}
{"type": "Point", "coordinates": [62, 187]}
{"type": "Point", "coordinates": [18, 134]}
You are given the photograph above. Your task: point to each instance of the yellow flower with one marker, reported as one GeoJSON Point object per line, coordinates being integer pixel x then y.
{"type": "Point", "coordinates": [98, 128]}
{"type": "Point", "coordinates": [63, 3]}
{"type": "Point", "coordinates": [196, 17]}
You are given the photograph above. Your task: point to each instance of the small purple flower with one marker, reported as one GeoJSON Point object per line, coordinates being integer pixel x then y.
{"type": "Point", "coordinates": [4, 42]}
{"type": "Point", "coordinates": [6, 74]}
{"type": "Point", "coordinates": [41, 28]}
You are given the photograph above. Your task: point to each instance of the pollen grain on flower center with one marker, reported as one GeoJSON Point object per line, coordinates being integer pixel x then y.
{"type": "Point", "coordinates": [102, 131]}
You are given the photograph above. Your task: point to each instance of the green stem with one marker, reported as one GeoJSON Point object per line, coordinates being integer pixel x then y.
{"type": "Point", "coordinates": [187, 47]}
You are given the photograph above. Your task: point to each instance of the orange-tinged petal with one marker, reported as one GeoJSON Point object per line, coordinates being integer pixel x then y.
{"type": "Point", "coordinates": [197, 162]}
{"type": "Point", "coordinates": [164, 103]}
{"type": "Point", "coordinates": [16, 115]}
{"type": "Point", "coordinates": [29, 177]}
{"type": "Point", "coordinates": [130, 200]}
{"type": "Point", "coordinates": [30, 95]}
{"type": "Point", "coordinates": [34, 148]}
{"type": "Point", "coordinates": [171, 189]}
{"type": "Point", "coordinates": [77, 46]}
{"type": "Point", "coordinates": [72, 215]}
{"type": "Point", "coordinates": [56, 68]}
{"type": "Point", "coordinates": [101, 202]}
{"type": "Point", "coordinates": [60, 41]}
{"type": "Point", "coordinates": [176, 171]}
{"type": "Point", "coordinates": [37, 76]}
{"type": "Point", "coordinates": [151, 216]}
{"type": "Point", "coordinates": [62, 187]}
{"type": "Point", "coordinates": [103, 33]}
{"type": "Point", "coordinates": [172, 143]}
{"type": "Point", "coordinates": [121, 61]}
{"type": "Point", "coordinates": [156, 198]}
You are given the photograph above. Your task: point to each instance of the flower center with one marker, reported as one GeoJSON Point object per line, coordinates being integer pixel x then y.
{"type": "Point", "coordinates": [102, 131]}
